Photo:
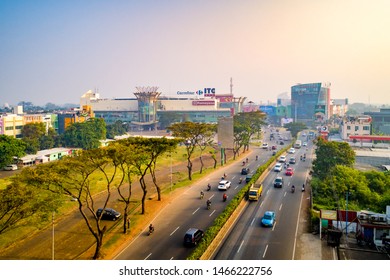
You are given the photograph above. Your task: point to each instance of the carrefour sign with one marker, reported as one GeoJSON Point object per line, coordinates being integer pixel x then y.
{"type": "Point", "coordinates": [207, 92]}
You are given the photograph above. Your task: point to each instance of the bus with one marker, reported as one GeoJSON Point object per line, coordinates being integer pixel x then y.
{"type": "Point", "coordinates": [298, 144]}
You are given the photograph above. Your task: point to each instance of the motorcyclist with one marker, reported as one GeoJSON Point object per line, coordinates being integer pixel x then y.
{"type": "Point", "coordinates": [151, 228]}
{"type": "Point", "coordinates": [208, 187]}
{"type": "Point", "coordinates": [208, 203]}
{"type": "Point", "coordinates": [257, 157]}
{"type": "Point", "coordinates": [240, 181]}
{"type": "Point", "coordinates": [224, 175]}
{"type": "Point", "coordinates": [303, 187]}
{"type": "Point", "coordinates": [201, 194]}
{"type": "Point", "coordinates": [247, 160]}
{"type": "Point", "coordinates": [224, 197]}
{"type": "Point", "coordinates": [293, 188]}
{"type": "Point", "coordinates": [243, 163]}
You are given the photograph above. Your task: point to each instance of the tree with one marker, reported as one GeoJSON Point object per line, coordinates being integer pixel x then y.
{"type": "Point", "coordinates": [206, 140]}
{"type": "Point", "coordinates": [245, 125]}
{"type": "Point", "coordinates": [118, 128]}
{"type": "Point", "coordinates": [330, 154]}
{"type": "Point", "coordinates": [20, 203]}
{"type": "Point", "coordinates": [192, 133]}
{"type": "Point", "coordinates": [85, 135]}
{"type": "Point", "coordinates": [71, 176]}
{"type": "Point", "coordinates": [31, 135]}
{"type": "Point", "coordinates": [10, 148]}
{"type": "Point", "coordinates": [295, 127]}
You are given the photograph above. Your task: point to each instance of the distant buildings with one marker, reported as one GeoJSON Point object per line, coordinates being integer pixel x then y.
{"type": "Point", "coordinates": [359, 125]}
{"type": "Point", "coordinates": [380, 121]}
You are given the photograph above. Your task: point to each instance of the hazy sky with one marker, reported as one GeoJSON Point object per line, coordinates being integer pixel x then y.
{"type": "Point", "coordinates": [55, 51]}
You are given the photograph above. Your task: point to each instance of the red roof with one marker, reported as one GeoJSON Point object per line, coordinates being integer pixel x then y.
{"type": "Point", "coordinates": [370, 137]}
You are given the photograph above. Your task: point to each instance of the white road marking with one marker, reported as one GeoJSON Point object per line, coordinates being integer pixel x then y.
{"type": "Point", "coordinates": [280, 207]}
{"type": "Point", "coordinates": [174, 231]}
{"type": "Point", "coordinates": [265, 251]}
{"type": "Point", "coordinates": [253, 221]}
{"type": "Point", "coordinates": [212, 213]}
{"type": "Point", "coordinates": [273, 228]}
{"type": "Point", "coordinates": [148, 256]}
{"type": "Point", "coordinates": [171, 259]}
{"type": "Point", "coordinates": [195, 211]}
{"type": "Point", "coordinates": [239, 248]}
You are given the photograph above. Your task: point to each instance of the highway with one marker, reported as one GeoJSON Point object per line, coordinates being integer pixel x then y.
{"type": "Point", "coordinates": [248, 240]}
{"type": "Point", "coordinates": [187, 211]}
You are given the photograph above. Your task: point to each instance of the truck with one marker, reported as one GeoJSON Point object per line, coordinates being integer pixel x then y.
{"type": "Point", "coordinates": [255, 191]}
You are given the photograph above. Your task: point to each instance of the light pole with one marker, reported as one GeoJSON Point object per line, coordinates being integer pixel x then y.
{"type": "Point", "coordinates": [52, 235]}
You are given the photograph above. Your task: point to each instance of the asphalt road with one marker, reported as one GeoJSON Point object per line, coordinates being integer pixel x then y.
{"type": "Point", "coordinates": [248, 240]}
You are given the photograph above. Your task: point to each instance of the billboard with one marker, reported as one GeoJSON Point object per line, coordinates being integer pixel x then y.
{"type": "Point", "coordinates": [225, 132]}
{"type": "Point", "coordinates": [269, 110]}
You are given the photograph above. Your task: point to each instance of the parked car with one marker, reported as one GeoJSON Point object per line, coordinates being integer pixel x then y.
{"type": "Point", "coordinates": [224, 185]}
{"type": "Point", "coordinates": [289, 171]}
{"type": "Point", "coordinates": [292, 160]}
{"type": "Point", "coordinates": [278, 167]}
{"type": "Point", "coordinates": [278, 182]}
{"type": "Point", "coordinates": [244, 171]}
{"type": "Point", "coordinates": [268, 219]}
{"type": "Point", "coordinates": [193, 236]}
{"type": "Point", "coordinates": [11, 167]}
{"type": "Point", "coordinates": [108, 214]}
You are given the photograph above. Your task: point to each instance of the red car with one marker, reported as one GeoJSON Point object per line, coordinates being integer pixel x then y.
{"type": "Point", "coordinates": [289, 171]}
{"type": "Point", "coordinates": [273, 147]}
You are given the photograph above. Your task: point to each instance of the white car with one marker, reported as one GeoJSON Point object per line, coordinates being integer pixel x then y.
{"type": "Point", "coordinates": [265, 146]}
{"type": "Point", "coordinates": [282, 159]}
{"type": "Point", "coordinates": [304, 144]}
{"type": "Point", "coordinates": [224, 185]}
{"type": "Point", "coordinates": [291, 151]}
{"type": "Point", "coordinates": [278, 167]}
{"type": "Point", "coordinates": [11, 167]}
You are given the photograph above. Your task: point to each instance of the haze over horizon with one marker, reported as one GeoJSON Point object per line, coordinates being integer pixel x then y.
{"type": "Point", "coordinates": [55, 51]}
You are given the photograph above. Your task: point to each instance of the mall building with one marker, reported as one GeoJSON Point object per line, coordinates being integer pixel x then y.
{"type": "Point", "coordinates": [151, 110]}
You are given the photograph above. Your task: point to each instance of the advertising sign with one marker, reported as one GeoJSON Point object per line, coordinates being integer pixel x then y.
{"type": "Point", "coordinates": [203, 103]}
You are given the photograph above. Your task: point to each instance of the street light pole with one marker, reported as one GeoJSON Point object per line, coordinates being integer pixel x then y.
{"type": "Point", "coordinates": [52, 235]}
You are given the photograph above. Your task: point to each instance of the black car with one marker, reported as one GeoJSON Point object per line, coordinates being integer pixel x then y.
{"type": "Point", "coordinates": [278, 183]}
{"type": "Point", "coordinates": [193, 236]}
{"type": "Point", "coordinates": [245, 171]}
{"type": "Point", "coordinates": [108, 214]}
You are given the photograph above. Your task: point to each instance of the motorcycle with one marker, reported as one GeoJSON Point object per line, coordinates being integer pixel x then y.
{"type": "Point", "coordinates": [243, 163]}
{"type": "Point", "coordinates": [303, 188]}
{"type": "Point", "coordinates": [240, 181]}
{"type": "Point", "coordinates": [201, 195]}
{"type": "Point", "coordinates": [292, 189]}
{"type": "Point", "coordinates": [208, 187]}
{"type": "Point", "coordinates": [151, 229]}
{"type": "Point", "coordinates": [208, 203]}
{"type": "Point", "coordinates": [224, 198]}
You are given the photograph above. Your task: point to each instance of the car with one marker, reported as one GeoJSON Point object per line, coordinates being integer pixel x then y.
{"type": "Point", "coordinates": [291, 151]}
{"type": "Point", "coordinates": [268, 219]}
{"type": "Point", "coordinates": [265, 146]}
{"type": "Point", "coordinates": [281, 143]}
{"type": "Point", "coordinates": [224, 185]}
{"type": "Point", "coordinates": [292, 160]}
{"type": "Point", "coordinates": [245, 171]}
{"type": "Point", "coordinates": [11, 167]}
{"type": "Point", "coordinates": [273, 147]}
{"type": "Point", "coordinates": [278, 182]}
{"type": "Point", "coordinates": [304, 144]}
{"type": "Point", "coordinates": [282, 159]}
{"type": "Point", "coordinates": [289, 171]}
{"type": "Point", "coordinates": [193, 236]}
{"type": "Point", "coordinates": [278, 167]}
{"type": "Point", "coordinates": [248, 178]}
{"type": "Point", "coordinates": [108, 214]}
{"type": "Point", "coordinates": [274, 153]}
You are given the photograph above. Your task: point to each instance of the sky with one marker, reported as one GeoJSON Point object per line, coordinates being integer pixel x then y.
{"type": "Point", "coordinates": [55, 51]}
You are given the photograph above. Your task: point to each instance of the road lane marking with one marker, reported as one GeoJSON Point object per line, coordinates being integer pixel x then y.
{"type": "Point", "coordinates": [273, 228]}
{"type": "Point", "coordinates": [148, 256]}
{"type": "Point", "coordinates": [239, 248]}
{"type": "Point", "coordinates": [211, 196]}
{"type": "Point", "coordinates": [280, 207]}
{"type": "Point", "coordinates": [211, 213]}
{"type": "Point", "coordinates": [265, 251]}
{"type": "Point", "coordinates": [285, 193]}
{"type": "Point", "coordinates": [261, 204]}
{"type": "Point", "coordinates": [174, 231]}
{"type": "Point", "coordinates": [171, 259]}
{"type": "Point", "coordinates": [236, 187]}
{"type": "Point", "coordinates": [253, 221]}
{"type": "Point", "coordinates": [195, 211]}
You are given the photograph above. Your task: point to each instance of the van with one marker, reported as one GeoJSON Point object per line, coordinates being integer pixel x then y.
{"type": "Point", "coordinates": [11, 167]}
{"type": "Point", "coordinates": [193, 236]}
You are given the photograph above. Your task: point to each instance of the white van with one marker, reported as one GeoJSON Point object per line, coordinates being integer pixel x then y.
{"type": "Point", "coordinates": [11, 167]}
